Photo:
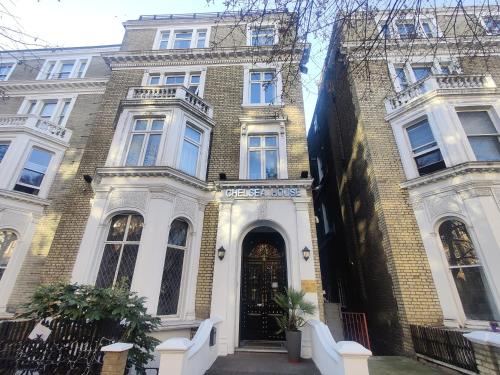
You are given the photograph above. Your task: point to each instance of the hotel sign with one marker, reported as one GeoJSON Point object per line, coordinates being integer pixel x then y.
{"type": "Point", "coordinates": [263, 192]}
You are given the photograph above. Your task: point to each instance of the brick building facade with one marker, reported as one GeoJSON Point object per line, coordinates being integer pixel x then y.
{"type": "Point", "coordinates": [191, 185]}
{"type": "Point", "coordinates": [408, 174]}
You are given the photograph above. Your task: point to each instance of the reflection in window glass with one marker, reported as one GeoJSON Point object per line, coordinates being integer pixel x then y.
{"type": "Point", "coordinates": [262, 157]}
{"type": "Point", "coordinates": [8, 241]}
{"type": "Point", "coordinates": [190, 150]}
{"type": "Point", "coordinates": [145, 142]}
{"type": "Point", "coordinates": [467, 271]}
{"type": "Point", "coordinates": [3, 149]}
{"type": "Point", "coordinates": [33, 172]}
{"type": "Point", "coordinates": [425, 150]}
{"type": "Point", "coordinates": [482, 134]}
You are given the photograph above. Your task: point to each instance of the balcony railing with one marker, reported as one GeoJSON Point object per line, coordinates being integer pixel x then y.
{"type": "Point", "coordinates": [36, 123]}
{"type": "Point", "coordinates": [172, 93]}
{"type": "Point", "coordinates": [438, 82]}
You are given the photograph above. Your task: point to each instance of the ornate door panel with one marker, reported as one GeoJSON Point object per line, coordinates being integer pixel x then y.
{"type": "Point", "coordinates": [263, 275]}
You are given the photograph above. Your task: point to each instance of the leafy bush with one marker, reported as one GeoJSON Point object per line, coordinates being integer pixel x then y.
{"type": "Point", "coordinates": [295, 306]}
{"type": "Point", "coordinates": [109, 306]}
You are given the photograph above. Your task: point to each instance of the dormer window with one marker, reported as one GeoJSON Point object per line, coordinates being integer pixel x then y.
{"type": "Point", "coordinates": [262, 36]}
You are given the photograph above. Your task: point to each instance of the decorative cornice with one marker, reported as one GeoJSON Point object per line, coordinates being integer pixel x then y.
{"type": "Point", "coordinates": [201, 56]}
{"type": "Point", "coordinates": [79, 86]}
{"type": "Point", "coordinates": [22, 197]}
{"type": "Point", "coordinates": [457, 170]}
{"type": "Point", "coordinates": [163, 171]}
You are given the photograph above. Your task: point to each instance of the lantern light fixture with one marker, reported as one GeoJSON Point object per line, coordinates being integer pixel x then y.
{"type": "Point", "coordinates": [221, 252]}
{"type": "Point", "coordinates": [306, 253]}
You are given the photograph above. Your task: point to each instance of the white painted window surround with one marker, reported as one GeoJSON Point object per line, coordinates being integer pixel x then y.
{"type": "Point", "coordinates": [166, 37]}
{"type": "Point", "coordinates": [58, 113]}
{"type": "Point", "coordinates": [425, 26]}
{"type": "Point", "coordinates": [59, 68]}
{"type": "Point", "coordinates": [261, 67]}
{"type": "Point", "coordinates": [170, 147]}
{"type": "Point", "coordinates": [265, 127]}
{"type": "Point", "coordinates": [446, 127]}
{"type": "Point", "coordinates": [263, 27]}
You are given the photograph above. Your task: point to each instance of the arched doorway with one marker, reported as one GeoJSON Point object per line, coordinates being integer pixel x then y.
{"type": "Point", "coordinates": [263, 275]}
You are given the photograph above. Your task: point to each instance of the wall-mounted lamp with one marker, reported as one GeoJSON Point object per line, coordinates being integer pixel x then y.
{"type": "Point", "coordinates": [88, 178]}
{"type": "Point", "coordinates": [306, 253]}
{"type": "Point", "coordinates": [304, 174]}
{"type": "Point", "coordinates": [222, 176]}
{"type": "Point", "coordinates": [221, 252]}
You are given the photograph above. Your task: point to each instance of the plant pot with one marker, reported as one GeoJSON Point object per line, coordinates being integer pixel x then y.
{"type": "Point", "coordinates": [293, 345]}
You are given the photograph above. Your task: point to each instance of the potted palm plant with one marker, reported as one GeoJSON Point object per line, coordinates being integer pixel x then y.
{"type": "Point", "coordinates": [295, 307]}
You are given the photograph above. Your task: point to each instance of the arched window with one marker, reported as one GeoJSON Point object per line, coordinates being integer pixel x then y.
{"type": "Point", "coordinates": [466, 270]}
{"type": "Point", "coordinates": [120, 251]}
{"type": "Point", "coordinates": [172, 268]}
{"type": "Point", "coordinates": [8, 241]}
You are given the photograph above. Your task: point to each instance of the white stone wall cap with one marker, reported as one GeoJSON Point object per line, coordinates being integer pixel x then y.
{"type": "Point", "coordinates": [484, 338]}
{"type": "Point", "coordinates": [117, 347]}
{"type": "Point", "coordinates": [352, 348]}
{"type": "Point", "coordinates": [175, 344]}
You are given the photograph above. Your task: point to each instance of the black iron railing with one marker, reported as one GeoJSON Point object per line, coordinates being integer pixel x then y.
{"type": "Point", "coordinates": [444, 345]}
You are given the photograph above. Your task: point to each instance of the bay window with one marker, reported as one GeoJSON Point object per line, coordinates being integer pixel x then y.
{"type": "Point", "coordinates": [262, 157]}
{"type": "Point", "coordinates": [34, 170]}
{"type": "Point", "coordinates": [424, 148]}
{"type": "Point", "coordinates": [190, 150]}
{"type": "Point", "coordinates": [483, 136]}
{"type": "Point", "coordinates": [4, 146]}
{"type": "Point", "coordinates": [145, 141]}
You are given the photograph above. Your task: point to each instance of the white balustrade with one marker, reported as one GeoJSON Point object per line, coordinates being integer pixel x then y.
{"type": "Point", "coordinates": [170, 92]}
{"type": "Point", "coordinates": [439, 82]}
{"type": "Point", "coordinates": [180, 356]}
{"type": "Point", "coordinates": [36, 123]}
{"type": "Point", "coordinates": [330, 357]}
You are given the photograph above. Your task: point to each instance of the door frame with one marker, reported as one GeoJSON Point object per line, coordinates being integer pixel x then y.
{"type": "Point", "coordinates": [249, 228]}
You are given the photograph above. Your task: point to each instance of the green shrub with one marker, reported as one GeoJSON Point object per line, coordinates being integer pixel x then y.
{"type": "Point", "coordinates": [99, 305]}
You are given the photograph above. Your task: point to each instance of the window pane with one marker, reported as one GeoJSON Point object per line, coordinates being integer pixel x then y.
{"type": "Point", "coordinates": [271, 142]}
{"type": "Point", "coordinates": [254, 141]}
{"type": "Point", "coordinates": [401, 75]}
{"type": "Point", "coordinates": [477, 122]}
{"type": "Point", "coordinates": [195, 79]}
{"type": "Point", "coordinates": [192, 134]}
{"type": "Point", "coordinates": [421, 136]}
{"type": "Point", "coordinates": [472, 291]}
{"type": "Point", "coordinates": [134, 151]}
{"type": "Point", "coordinates": [189, 158]}
{"type": "Point", "coordinates": [255, 93]}
{"type": "Point", "coordinates": [47, 110]}
{"type": "Point", "coordinates": [117, 228]}
{"type": "Point", "coordinates": [8, 241]}
{"type": "Point", "coordinates": [182, 43]}
{"type": "Point", "coordinates": [171, 282]}
{"type": "Point", "coordinates": [268, 76]}
{"type": "Point", "coordinates": [164, 40]}
{"type": "Point", "coordinates": [430, 162]}
{"type": "Point", "coordinates": [157, 124]}
{"type": "Point", "coordinates": [31, 177]}
{"type": "Point", "coordinates": [270, 92]}
{"type": "Point", "coordinates": [3, 150]}
{"type": "Point", "coordinates": [107, 269]}
{"type": "Point", "coordinates": [485, 148]}
{"type": "Point", "coordinates": [127, 266]}
{"type": "Point", "coordinates": [141, 124]}
{"type": "Point", "coordinates": [175, 80]}
{"type": "Point", "coordinates": [271, 164]}
{"type": "Point", "coordinates": [457, 244]}
{"type": "Point", "coordinates": [421, 72]}
{"type": "Point", "coordinates": [254, 165]}
{"type": "Point", "coordinates": [152, 149]}
{"type": "Point", "coordinates": [255, 76]}
{"type": "Point", "coordinates": [135, 228]}
{"type": "Point", "coordinates": [154, 80]}
{"type": "Point", "coordinates": [178, 233]}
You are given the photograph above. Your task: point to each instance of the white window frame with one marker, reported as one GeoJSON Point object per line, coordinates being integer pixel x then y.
{"type": "Point", "coordinates": [187, 72]}
{"type": "Point", "coordinates": [482, 19]}
{"type": "Point", "coordinates": [42, 75]}
{"type": "Point", "coordinates": [248, 68]}
{"type": "Point", "coordinates": [190, 124]}
{"type": "Point", "coordinates": [13, 65]}
{"type": "Point", "coordinates": [147, 133]}
{"type": "Point", "coordinates": [253, 26]}
{"type": "Point", "coordinates": [410, 18]}
{"type": "Point", "coordinates": [40, 100]}
{"type": "Point", "coordinates": [262, 148]}
{"type": "Point", "coordinates": [171, 38]}
{"type": "Point", "coordinates": [263, 127]}
{"type": "Point", "coordinates": [494, 117]}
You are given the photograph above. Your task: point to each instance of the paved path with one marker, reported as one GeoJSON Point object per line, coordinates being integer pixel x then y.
{"type": "Point", "coordinates": [244, 363]}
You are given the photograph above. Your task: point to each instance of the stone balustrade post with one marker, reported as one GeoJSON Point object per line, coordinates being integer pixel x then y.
{"type": "Point", "coordinates": [487, 351]}
{"type": "Point", "coordinates": [173, 356]}
{"type": "Point", "coordinates": [115, 358]}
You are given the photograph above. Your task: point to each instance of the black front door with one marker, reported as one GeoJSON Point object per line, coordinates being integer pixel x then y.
{"type": "Point", "coordinates": [263, 275]}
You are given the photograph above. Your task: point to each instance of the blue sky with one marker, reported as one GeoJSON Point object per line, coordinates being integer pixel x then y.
{"type": "Point", "coordinates": [94, 22]}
